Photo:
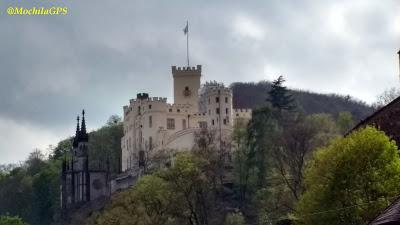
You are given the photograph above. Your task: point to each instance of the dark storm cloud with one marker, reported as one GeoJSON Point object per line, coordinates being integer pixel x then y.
{"type": "Point", "coordinates": [102, 53]}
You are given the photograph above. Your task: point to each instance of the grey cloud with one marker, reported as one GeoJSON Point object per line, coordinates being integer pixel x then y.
{"type": "Point", "coordinates": [103, 53]}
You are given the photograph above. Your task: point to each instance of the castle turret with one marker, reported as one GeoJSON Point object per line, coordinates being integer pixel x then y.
{"type": "Point", "coordinates": [216, 102]}
{"type": "Point", "coordinates": [186, 85]}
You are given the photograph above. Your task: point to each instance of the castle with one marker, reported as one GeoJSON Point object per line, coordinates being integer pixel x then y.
{"type": "Point", "coordinates": [152, 125]}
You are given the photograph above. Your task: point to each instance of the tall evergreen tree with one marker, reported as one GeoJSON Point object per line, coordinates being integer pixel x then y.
{"type": "Point", "coordinates": [279, 95]}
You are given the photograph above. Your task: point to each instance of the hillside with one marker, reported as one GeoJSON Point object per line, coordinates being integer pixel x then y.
{"type": "Point", "coordinates": [253, 95]}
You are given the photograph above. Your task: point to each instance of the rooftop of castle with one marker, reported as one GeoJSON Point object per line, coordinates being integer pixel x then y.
{"type": "Point", "coordinates": [187, 69]}
{"type": "Point", "coordinates": [213, 83]}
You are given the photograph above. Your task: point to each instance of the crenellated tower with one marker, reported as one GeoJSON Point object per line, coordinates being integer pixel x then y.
{"type": "Point", "coordinates": [186, 85]}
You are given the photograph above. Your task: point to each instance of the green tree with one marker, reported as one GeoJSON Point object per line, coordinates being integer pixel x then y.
{"type": "Point", "coordinates": [293, 148]}
{"type": "Point", "coordinates": [114, 120]}
{"type": "Point", "coordinates": [124, 209]}
{"type": "Point", "coordinates": [263, 130]}
{"type": "Point", "coordinates": [351, 180]}
{"type": "Point", "coordinates": [242, 163]}
{"type": "Point", "coordinates": [35, 162]}
{"type": "Point", "coordinates": [156, 197]}
{"type": "Point", "coordinates": [279, 95]}
{"type": "Point", "coordinates": [345, 122]}
{"type": "Point", "coordinates": [63, 147]}
{"type": "Point", "coordinates": [234, 219]}
{"type": "Point", "coordinates": [193, 188]}
{"type": "Point", "coordinates": [11, 220]}
{"type": "Point", "coordinates": [180, 195]}
{"type": "Point", "coordinates": [16, 193]}
{"type": "Point", "coordinates": [105, 145]}
{"type": "Point", "coordinates": [45, 193]}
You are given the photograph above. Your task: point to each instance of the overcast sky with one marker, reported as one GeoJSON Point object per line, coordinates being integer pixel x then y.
{"type": "Point", "coordinates": [104, 52]}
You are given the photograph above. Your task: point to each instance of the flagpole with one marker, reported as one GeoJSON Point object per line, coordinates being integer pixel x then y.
{"type": "Point", "coordinates": [187, 43]}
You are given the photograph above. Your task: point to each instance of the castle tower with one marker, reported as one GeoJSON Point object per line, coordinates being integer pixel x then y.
{"type": "Point", "coordinates": [186, 85]}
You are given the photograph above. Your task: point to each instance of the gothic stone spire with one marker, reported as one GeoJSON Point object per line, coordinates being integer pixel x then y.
{"type": "Point", "coordinates": [83, 135]}
{"type": "Point", "coordinates": [77, 134]}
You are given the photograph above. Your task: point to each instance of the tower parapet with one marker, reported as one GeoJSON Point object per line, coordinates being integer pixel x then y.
{"type": "Point", "coordinates": [186, 70]}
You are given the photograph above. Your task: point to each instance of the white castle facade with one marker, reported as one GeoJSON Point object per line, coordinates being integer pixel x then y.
{"type": "Point", "coordinates": [152, 125]}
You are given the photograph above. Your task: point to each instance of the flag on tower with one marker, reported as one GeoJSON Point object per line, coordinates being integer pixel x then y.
{"type": "Point", "coordinates": [186, 32]}
{"type": "Point", "coordinates": [186, 29]}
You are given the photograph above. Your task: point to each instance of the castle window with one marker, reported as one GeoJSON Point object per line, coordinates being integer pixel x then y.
{"type": "Point", "coordinates": [217, 110]}
{"type": "Point", "coordinates": [216, 99]}
{"type": "Point", "coordinates": [150, 121]}
{"type": "Point", "coordinates": [170, 110]}
{"type": "Point", "coordinates": [178, 110]}
{"type": "Point", "coordinates": [208, 100]}
{"type": "Point", "coordinates": [224, 121]}
{"type": "Point", "coordinates": [212, 122]}
{"type": "Point", "coordinates": [237, 114]}
{"type": "Point", "coordinates": [226, 99]}
{"type": "Point", "coordinates": [150, 142]}
{"type": "Point", "coordinates": [183, 124]}
{"type": "Point", "coordinates": [149, 106]}
{"type": "Point", "coordinates": [170, 123]}
{"type": "Point", "coordinates": [226, 110]}
{"type": "Point", "coordinates": [186, 88]}
{"type": "Point", "coordinates": [141, 158]}
{"type": "Point", "coordinates": [203, 124]}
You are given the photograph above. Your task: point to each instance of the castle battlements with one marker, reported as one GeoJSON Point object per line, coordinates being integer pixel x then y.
{"type": "Point", "coordinates": [187, 69]}
{"type": "Point", "coordinates": [214, 88]}
{"type": "Point", "coordinates": [242, 113]}
{"type": "Point", "coordinates": [148, 99]}
{"type": "Point", "coordinates": [218, 90]}
{"type": "Point", "coordinates": [242, 110]}
{"type": "Point", "coordinates": [157, 99]}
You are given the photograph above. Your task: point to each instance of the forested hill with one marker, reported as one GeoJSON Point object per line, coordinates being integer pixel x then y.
{"type": "Point", "coordinates": [253, 95]}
